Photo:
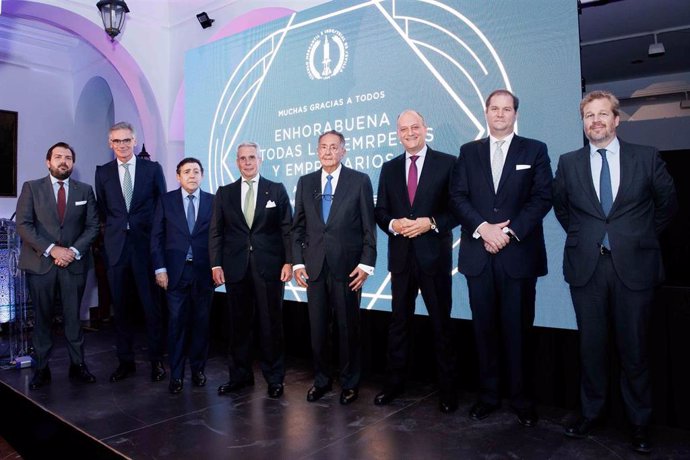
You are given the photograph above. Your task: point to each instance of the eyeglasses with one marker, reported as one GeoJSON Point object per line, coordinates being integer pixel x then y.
{"type": "Point", "coordinates": [121, 141]}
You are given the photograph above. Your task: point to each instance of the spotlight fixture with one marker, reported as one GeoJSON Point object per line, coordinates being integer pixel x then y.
{"type": "Point", "coordinates": [204, 20]}
{"type": "Point", "coordinates": [656, 49]}
{"type": "Point", "coordinates": [113, 16]}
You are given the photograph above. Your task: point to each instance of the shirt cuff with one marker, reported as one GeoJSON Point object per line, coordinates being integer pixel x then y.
{"type": "Point", "coordinates": [297, 266]}
{"type": "Point", "coordinates": [77, 254]}
{"type": "Point", "coordinates": [476, 234]}
{"type": "Point", "coordinates": [46, 253]}
{"type": "Point", "coordinates": [390, 227]}
{"type": "Point", "coordinates": [161, 270]}
{"type": "Point", "coordinates": [368, 269]}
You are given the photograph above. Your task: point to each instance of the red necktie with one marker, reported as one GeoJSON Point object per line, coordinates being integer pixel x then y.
{"type": "Point", "coordinates": [61, 201]}
{"type": "Point", "coordinates": [412, 178]}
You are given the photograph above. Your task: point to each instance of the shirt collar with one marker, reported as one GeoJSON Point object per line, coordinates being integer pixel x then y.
{"type": "Point", "coordinates": [54, 180]}
{"type": "Point", "coordinates": [255, 179]}
{"type": "Point", "coordinates": [335, 174]}
{"type": "Point", "coordinates": [614, 147]}
{"type": "Point", "coordinates": [131, 161]}
{"type": "Point", "coordinates": [421, 153]}
{"type": "Point", "coordinates": [196, 194]}
{"type": "Point", "coordinates": [506, 140]}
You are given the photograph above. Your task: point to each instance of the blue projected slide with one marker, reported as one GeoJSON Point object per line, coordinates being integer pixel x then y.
{"type": "Point", "coordinates": [354, 66]}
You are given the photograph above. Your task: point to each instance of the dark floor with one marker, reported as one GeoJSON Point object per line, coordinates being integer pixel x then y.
{"type": "Point", "coordinates": [141, 419]}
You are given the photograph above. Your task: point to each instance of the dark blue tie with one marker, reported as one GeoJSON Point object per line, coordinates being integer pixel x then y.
{"type": "Point", "coordinates": [191, 211]}
{"type": "Point", "coordinates": [605, 192]}
{"type": "Point", "coordinates": [327, 198]}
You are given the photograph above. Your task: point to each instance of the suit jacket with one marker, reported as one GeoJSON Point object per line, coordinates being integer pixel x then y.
{"type": "Point", "coordinates": [149, 184]}
{"type": "Point", "coordinates": [171, 238]}
{"type": "Point", "coordinates": [39, 226]}
{"type": "Point", "coordinates": [231, 239]}
{"type": "Point", "coordinates": [348, 238]}
{"type": "Point", "coordinates": [433, 249]}
{"type": "Point", "coordinates": [644, 205]}
{"type": "Point", "coordinates": [523, 196]}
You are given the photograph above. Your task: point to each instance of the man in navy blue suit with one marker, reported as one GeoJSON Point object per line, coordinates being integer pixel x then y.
{"type": "Point", "coordinates": [334, 251]}
{"type": "Point", "coordinates": [179, 252]}
{"type": "Point", "coordinates": [613, 199]}
{"type": "Point", "coordinates": [412, 207]}
{"type": "Point", "coordinates": [127, 190]}
{"type": "Point", "coordinates": [500, 192]}
{"type": "Point", "coordinates": [249, 243]}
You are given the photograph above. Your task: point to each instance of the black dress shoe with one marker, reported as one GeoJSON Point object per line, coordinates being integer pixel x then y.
{"type": "Point", "coordinates": [275, 390]}
{"type": "Point", "coordinates": [640, 439]}
{"type": "Point", "coordinates": [315, 393]}
{"type": "Point", "coordinates": [527, 417]}
{"type": "Point", "coordinates": [581, 428]}
{"type": "Point", "coordinates": [388, 395]}
{"type": "Point", "coordinates": [348, 396]}
{"type": "Point", "coordinates": [124, 370]}
{"type": "Point", "coordinates": [80, 373]}
{"type": "Point", "coordinates": [41, 377]}
{"type": "Point", "coordinates": [157, 371]}
{"type": "Point", "coordinates": [175, 386]}
{"type": "Point", "coordinates": [199, 379]}
{"type": "Point", "coordinates": [231, 386]}
{"type": "Point", "coordinates": [482, 410]}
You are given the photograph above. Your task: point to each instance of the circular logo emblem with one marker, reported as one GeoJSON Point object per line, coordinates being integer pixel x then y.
{"type": "Point", "coordinates": [326, 55]}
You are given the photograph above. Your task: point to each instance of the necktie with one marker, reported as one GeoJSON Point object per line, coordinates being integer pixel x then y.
{"type": "Point", "coordinates": [249, 203]}
{"type": "Point", "coordinates": [127, 186]}
{"type": "Point", "coordinates": [61, 201]}
{"type": "Point", "coordinates": [191, 218]}
{"type": "Point", "coordinates": [605, 191]}
{"type": "Point", "coordinates": [497, 164]}
{"type": "Point", "coordinates": [412, 178]}
{"type": "Point", "coordinates": [327, 198]}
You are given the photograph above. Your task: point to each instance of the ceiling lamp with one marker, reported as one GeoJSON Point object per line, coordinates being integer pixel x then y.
{"type": "Point", "coordinates": [113, 15]}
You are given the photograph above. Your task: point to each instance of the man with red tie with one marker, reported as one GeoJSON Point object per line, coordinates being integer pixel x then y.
{"type": "Point", "coordinates": [412, 207]}
{"type": "Point", "coordinates": [57, 221]}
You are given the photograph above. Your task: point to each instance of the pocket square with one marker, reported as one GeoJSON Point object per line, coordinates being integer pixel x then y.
{"type": "Point", "coordinates": [519, 167]}
{"type": "Point", "coordinates": [80, 203]}
{"type": "Point", "coordinates": [271, 204]}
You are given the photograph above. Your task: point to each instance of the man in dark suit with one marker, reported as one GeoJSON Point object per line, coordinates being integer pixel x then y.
{"type": "Point", "coordinates": [501, 191]}
{"type": "Point", "coordinates": [412, 208]}
{"type": "Point", "coordinates": [128, 189]}
{"type": "Point", "coordinates": [613, 199]}
{"type": "Point", "coordinates": [250, 254]}
{"type": "Point", "coordinates": [57, 221]}
{"type": "Point", "coordinates": [179, 253]}
{"type": "Point", "coordinates": [334, 251]}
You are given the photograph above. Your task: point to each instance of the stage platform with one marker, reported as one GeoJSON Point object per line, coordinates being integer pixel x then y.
{"type": "Point", "coordinates": [139, 419]}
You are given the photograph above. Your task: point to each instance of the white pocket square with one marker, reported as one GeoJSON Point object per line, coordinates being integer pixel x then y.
{"type": "Point", "coordinates": [519, 167]}
{"type": "Point", "coordinates": [271, 204]}
{"type": "Point", "coordinates": [80, 203]}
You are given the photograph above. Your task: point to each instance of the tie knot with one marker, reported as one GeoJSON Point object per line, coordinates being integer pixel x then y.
{"type": "Point", "coordinates": [329, 177]}
{"type": "Point", "coordinates": [249, 183]}
{"type": "Point", "coordinates": [61, 183]}
{"type": "Point", "coordinates": [125, 165]}
{"type": "Point", "coordinates": [414, 158]}
{"type": "Point", "coordinates": [191, 197]}
{"type": "Point", "coordinates": [602, 152]}
{"type": "Point", "coordinates": [499, 144]}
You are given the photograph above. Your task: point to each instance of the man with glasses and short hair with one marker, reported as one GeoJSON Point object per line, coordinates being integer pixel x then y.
{"type": "Point", "coordinates": [127, 189]}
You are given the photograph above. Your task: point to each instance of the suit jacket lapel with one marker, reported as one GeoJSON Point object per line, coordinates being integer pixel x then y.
{"type": "Point", "coordinates": [627, 168]}
{"type": "Point", "coordinates": [316, 194]}
{"type": "Point", "coordinates": [583, 169]}
{"type": "Point", "coordinates": [261, 199]}
{"type": "Point", "coordinates": [180, 208]}
{"type": "Point", "coordinates": [485, 160]}
{"type": "Point", "coordinates": [341, 192]}
{"type": "Point", "coordinates": [402, 177]}
{"type": "Point", "coordinates": [205, 203]}
{"type": "Point", "coordinates": [48, 197]}
{"type": "Point", "coordinates": [514, 153]}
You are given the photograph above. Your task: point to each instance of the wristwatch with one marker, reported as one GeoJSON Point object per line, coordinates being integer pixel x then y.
{"type": "Point", "coordinates": [433, 223]}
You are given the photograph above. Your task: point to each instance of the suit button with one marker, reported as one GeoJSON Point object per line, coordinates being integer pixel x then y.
{"type": "Point", "coordinates": [495, 209]}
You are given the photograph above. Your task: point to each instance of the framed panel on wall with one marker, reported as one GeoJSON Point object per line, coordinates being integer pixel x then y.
{"type": "Point", "coordinates": [8, 153]}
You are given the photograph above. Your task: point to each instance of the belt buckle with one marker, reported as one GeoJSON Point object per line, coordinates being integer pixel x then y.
{"type": "Point", "coordinates": [603, 250]}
